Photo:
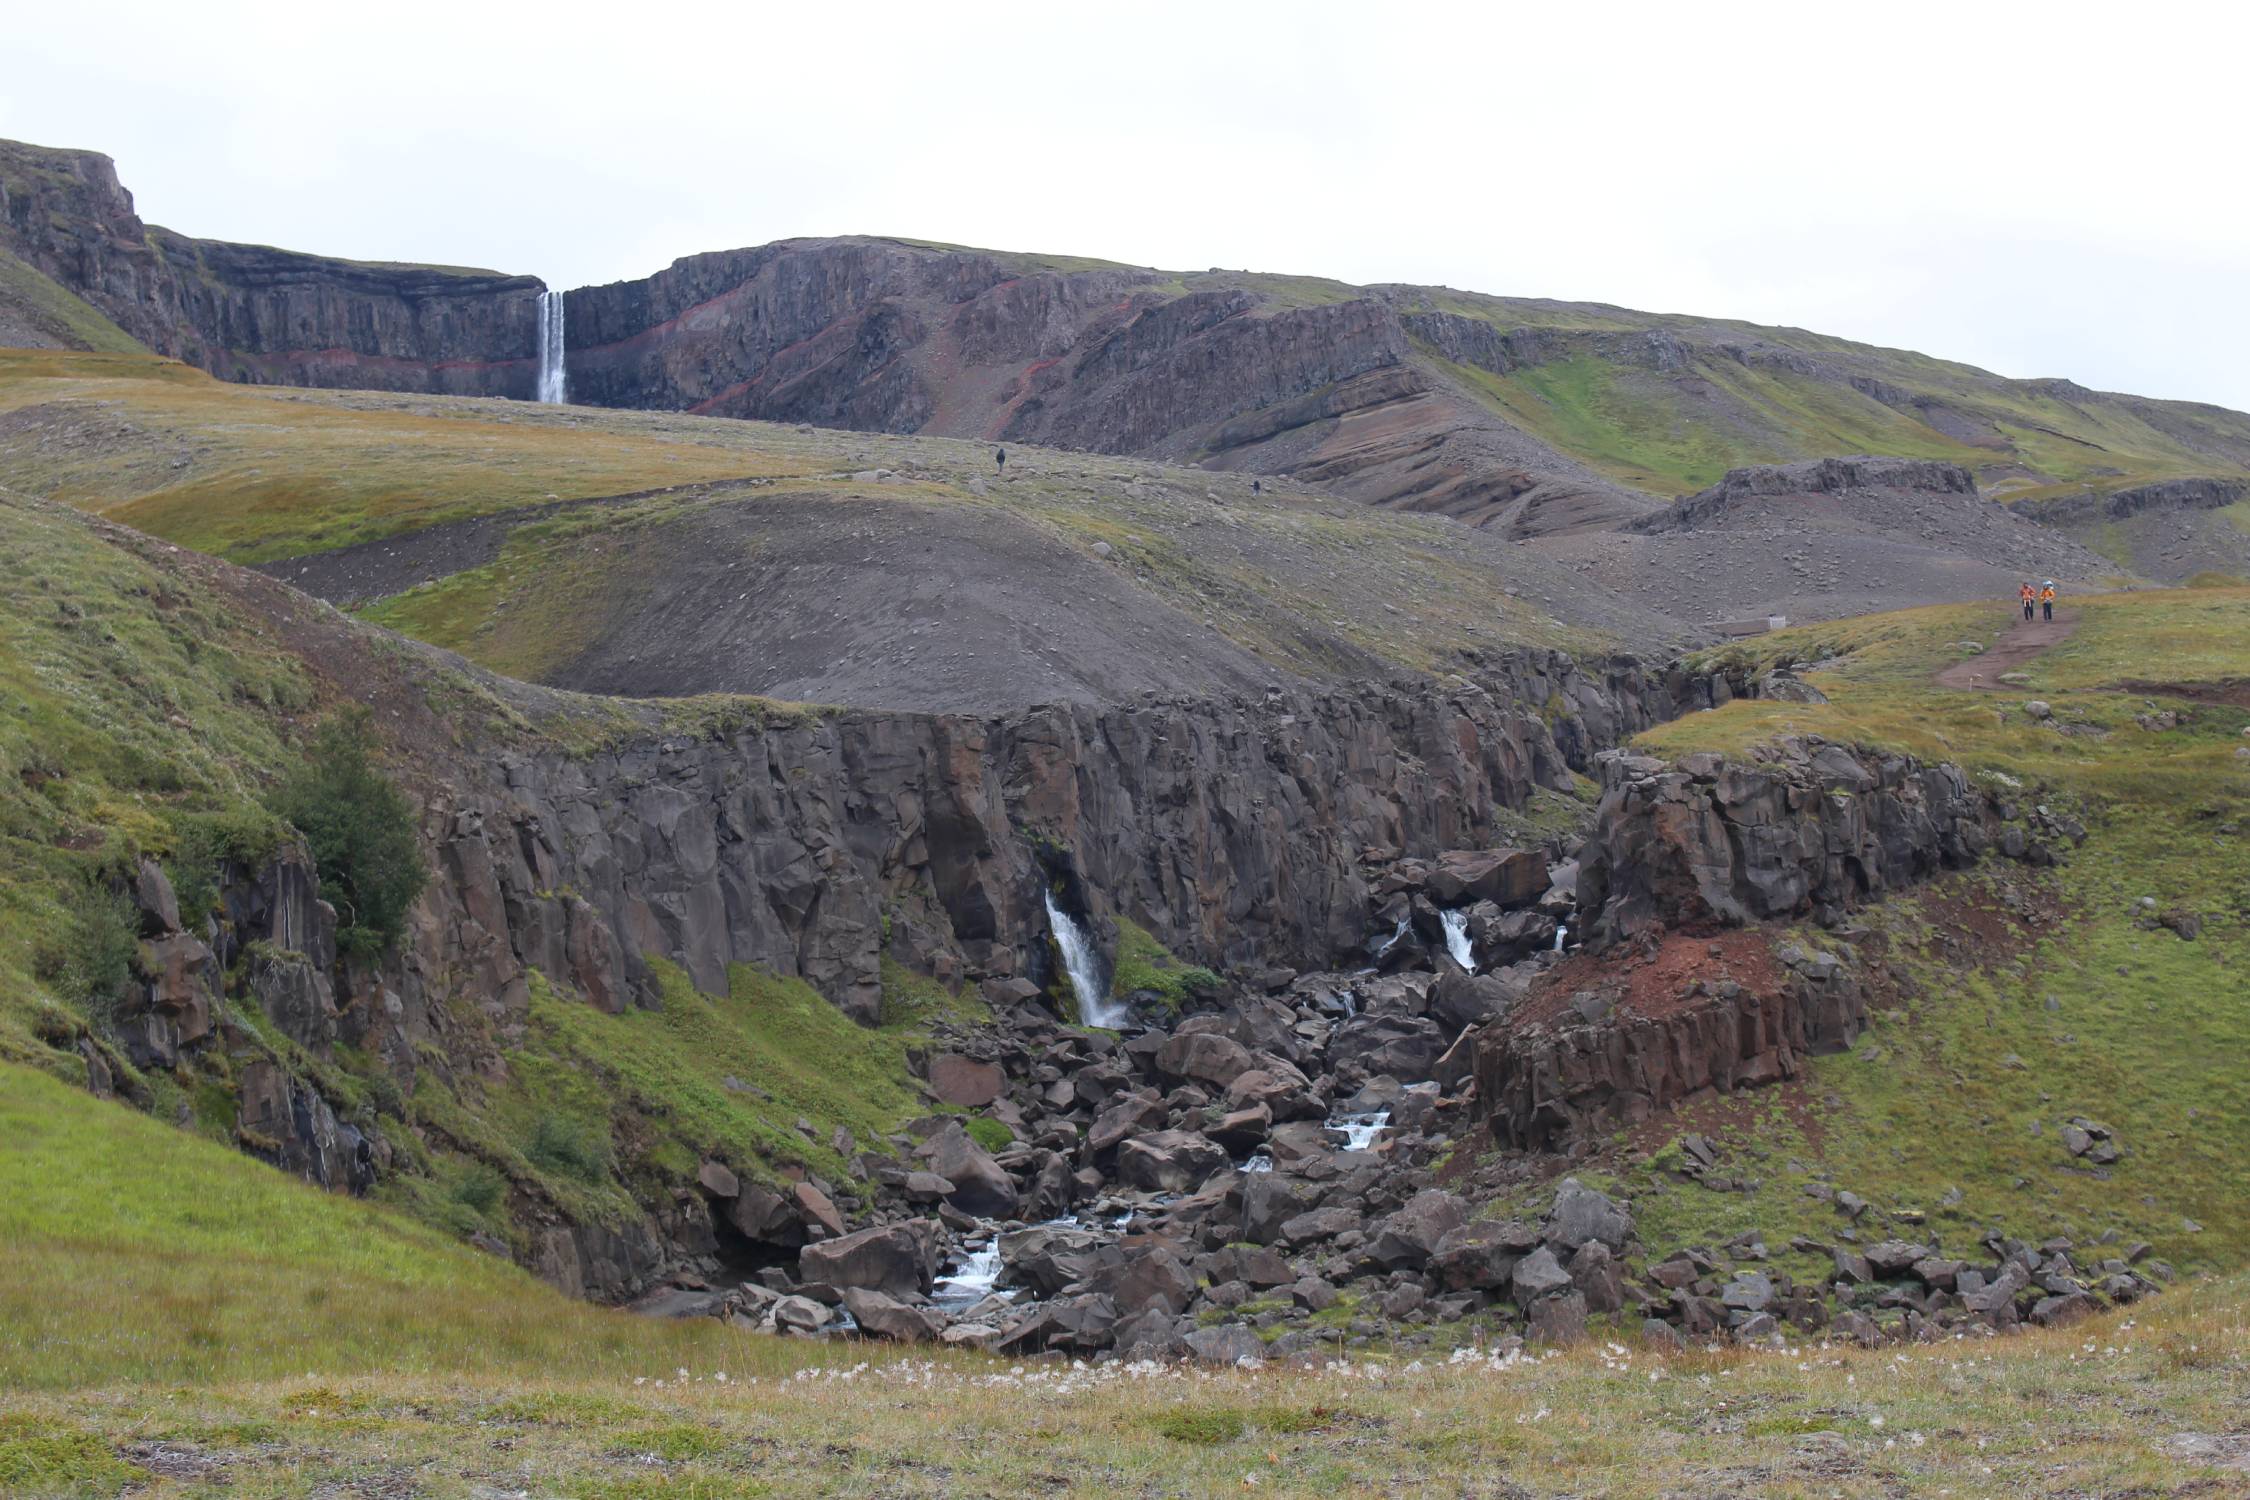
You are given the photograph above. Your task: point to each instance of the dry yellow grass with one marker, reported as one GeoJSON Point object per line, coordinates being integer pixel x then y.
{"type": "Point", "coordinates": [2150, 1403]}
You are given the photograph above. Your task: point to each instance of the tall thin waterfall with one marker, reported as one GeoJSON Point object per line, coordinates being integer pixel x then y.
{"type": "Point", "coordinates": [554, 385]}
{"type": "Point", "coordinates": [1084, 966]}
{"type": "Point", "coordinates": [1457, 939]}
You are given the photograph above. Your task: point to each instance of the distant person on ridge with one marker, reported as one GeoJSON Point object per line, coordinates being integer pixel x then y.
{"type": "Point", "coordinates": [1000, 461]}
{"type": "Point", "coordinates": [2047, 599]}
{"type": "Point", "coordinates": [2029, 594]}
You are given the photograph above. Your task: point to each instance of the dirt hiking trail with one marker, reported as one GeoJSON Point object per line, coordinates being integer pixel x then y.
{"type": "Point", "coordinates": [2025, 640]}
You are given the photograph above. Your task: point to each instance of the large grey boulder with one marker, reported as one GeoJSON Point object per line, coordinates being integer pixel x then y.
{"type": "Point", "coordinates": [966, 1082]}
{"type": "Point", "coordinates": [1206, 1057]}
{"type": "Point", "coordinates": [981, 1186]}
{"type": "Point", "coordinates": [1401, 1045]}
{"type": "Point", "coordinates": [1169, 1161]}
{"type": "Point", "coordinates": [1406, 1239]}
{"type": "Point", "coordinates": [1505, 877]}
{"type": "Point", "coordinates": [1538, 1275]}
{"type": "Point", "coordinates": [898, 1259]}
{"type": "Point", "coordinates": [886, 1317]}
{"type": "Point", "coordinates": [1581, 1214]}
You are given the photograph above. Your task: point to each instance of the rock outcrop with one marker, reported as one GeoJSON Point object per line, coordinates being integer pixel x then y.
{"type": "Point", "coordinates": [253, 313]}
{"type": "Point", "coordinates": [1826, 476]}
{"type": "Point", "coordinates": [1800, 828]}
{"type": "Point", "coordinates": [1578, 1074]}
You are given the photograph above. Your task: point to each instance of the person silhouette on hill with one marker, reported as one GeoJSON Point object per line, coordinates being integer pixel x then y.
{"type": "Point", "coordinates": [1000, 461]}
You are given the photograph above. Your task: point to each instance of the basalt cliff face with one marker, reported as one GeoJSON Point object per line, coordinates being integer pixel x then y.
{"type": "Point", "coordinates": [252, 313]}
{"type": "Point", "coordinates": [1236, 831]}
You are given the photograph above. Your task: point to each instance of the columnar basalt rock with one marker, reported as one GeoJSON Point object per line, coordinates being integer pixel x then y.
{"type": "Point", "coordinates": [1545, 1086]}
{"type": "Point", "coordinates": [1798, 828]}
{"type": "Point", "coordinates": [1231, 829]}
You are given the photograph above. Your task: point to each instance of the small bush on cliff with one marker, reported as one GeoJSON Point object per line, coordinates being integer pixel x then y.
{"type": "Point", "coordinates": [204, 844]}
{"type": "Point", "coordinates": [89, 960]}
{"type": "Point", "coordinates": [569, 1147]}
{"type": "Point", "coordinates": [360, 829]}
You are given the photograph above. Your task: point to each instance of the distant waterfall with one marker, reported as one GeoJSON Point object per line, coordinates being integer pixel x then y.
{"type": "Point", "coordinates": [1084, 966]}
{"type": "Point", "coordinates": [1457, 939]}
{"type": "Point", "coordinates": [554, 385]}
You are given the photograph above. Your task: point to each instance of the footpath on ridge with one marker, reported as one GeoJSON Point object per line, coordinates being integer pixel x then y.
{"type": "Point", "coordinates": [2025, 641]}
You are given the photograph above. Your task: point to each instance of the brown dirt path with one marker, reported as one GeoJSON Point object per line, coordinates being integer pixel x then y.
{"type": "Point", "coordinates": [2024, 641]}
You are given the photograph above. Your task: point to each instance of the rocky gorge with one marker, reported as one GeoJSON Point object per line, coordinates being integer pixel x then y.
{"type": "Point", "coordinates": [1258, 1162]}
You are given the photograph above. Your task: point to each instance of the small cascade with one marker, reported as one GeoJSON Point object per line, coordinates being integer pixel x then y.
{"type": "Point", "coordinates": [973, 1282]}
{"type": "Point", "coordinates": [1360, 1130]}
{"type": "Point", "coordinates": [1393, 940]}
{"type": "Point", "coordinates": [1457, 939]}
{"type": "Point", "coordinates": [1083, 965]}
{"type": "Point", "coordinates": [554, 384]}
{"type": "Point", "coordinates": [1260, 1160]}
{"type": "Point", "coordinates": [1561, 932]}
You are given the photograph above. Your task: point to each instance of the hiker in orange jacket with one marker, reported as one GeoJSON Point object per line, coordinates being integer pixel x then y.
{"type": "Point", "coordinates": [2028, 596]}
{"type": "Point", "coordinates": [2047, 599]}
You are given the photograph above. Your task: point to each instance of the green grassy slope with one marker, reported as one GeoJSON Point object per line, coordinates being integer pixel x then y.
{"type": "Point", "coordinates": [2029, 997]}
{"type": "Point", "coordinates": [141, 1253]}
{"type": "Point", "coordinates": [1725, 394]}
{"type": "Point", "coordinates": [145, 707]}
{"type": "Point", "coordinates": [34, 301]}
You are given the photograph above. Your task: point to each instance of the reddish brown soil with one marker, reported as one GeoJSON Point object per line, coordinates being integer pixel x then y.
{"type": "Point", "coordinates": [1654, 987]}
{"type": "Point", "coordinates": [2235, 693]}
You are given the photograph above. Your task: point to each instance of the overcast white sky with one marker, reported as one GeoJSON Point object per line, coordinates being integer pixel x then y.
{"type": "Point", "coordinates": [2034, 191]}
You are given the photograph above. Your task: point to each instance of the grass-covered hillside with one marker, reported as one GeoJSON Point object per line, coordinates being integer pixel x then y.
{"type": "Point", "coordinates": [152, 702]}
{"type": "Point", "coordinates": [669, 554]}
{"type": "Point", "coordinates": [1668, 403]}
{"type": "Point", "coordinates": [38, 313]}
{"type": "Point", "coordinates": [2014, 1001]}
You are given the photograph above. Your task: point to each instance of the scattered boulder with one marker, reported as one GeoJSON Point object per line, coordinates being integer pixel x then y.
{"type": "Point", "coordinates": [965, 1082]}
{"type": "Point", "coordinates": [895, 1259]}
{"type": "Point", "coordinates": [980, 1185]}
{"type": "Point", "coordinates": [886, 1317]}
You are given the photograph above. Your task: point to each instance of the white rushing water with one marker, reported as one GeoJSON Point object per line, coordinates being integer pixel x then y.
{"type": "Point", "coordinates": [1561, 932]}
{"type": "Point", "coordinates": [1457, 939]}
{"type": "Point", "coordinates": [1360, 1130]}
{"type": "Point", "coordinates": [1095, 1007]}
{"type": "Point", "coordinates": [554, 385]}
{"type": "Point", "coordinates": [973, 1282]}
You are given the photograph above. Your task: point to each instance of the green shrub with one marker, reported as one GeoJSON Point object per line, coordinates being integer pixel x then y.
{"type": "Point", "coordinates": [89, 958]}
{"type": "Point", "coordinates": [204, 844]}
{"type": "Point", "coordinates": [570, 1148]}
{"type": "Point", "coordinates": [479, 1189]}
{"type": "Point", "coordinates": [360, 829]}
